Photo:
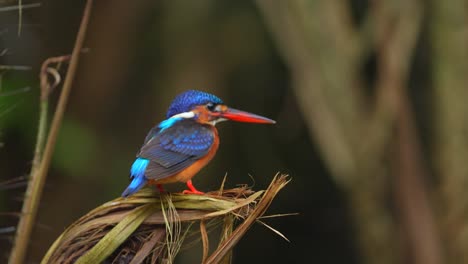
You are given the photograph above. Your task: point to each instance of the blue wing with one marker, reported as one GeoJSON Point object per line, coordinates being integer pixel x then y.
{"type": "Point", "coordinates": [174, 148]}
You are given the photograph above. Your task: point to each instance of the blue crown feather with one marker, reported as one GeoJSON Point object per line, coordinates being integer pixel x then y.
{"type": "Point", "coordinates": [186, 101]}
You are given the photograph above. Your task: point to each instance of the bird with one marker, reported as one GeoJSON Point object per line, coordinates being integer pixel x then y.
{"type": "Point", "coordinates": [177, 148]}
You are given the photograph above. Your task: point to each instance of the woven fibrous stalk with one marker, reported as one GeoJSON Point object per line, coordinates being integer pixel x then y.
{"type": "Point", "coordinates": [150, 227]}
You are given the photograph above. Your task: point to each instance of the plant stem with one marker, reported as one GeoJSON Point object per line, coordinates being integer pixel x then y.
{"type": "Point", "coordinates": [37, 180]}
{"type": "Point", "coordinates": [41, 136]}
{"type": "Point", "coordinates": [20, 16]}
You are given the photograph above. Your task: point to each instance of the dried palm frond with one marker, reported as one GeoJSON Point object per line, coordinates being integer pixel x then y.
{"type": "Point", "coordinates": [149, 227]}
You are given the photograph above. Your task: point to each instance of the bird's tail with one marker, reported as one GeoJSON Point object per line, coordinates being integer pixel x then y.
{"type": "Point", "coordinates": [137, 173]}
{"type": "Point", "coordinates": [136, 184]}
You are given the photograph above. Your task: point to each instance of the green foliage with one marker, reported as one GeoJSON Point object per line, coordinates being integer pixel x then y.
{"type": "Point", "coordinates": [75, 149]}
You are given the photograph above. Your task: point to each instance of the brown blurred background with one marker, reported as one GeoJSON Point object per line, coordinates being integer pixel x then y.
{"type": "Point", "coordinates": [369, 99]}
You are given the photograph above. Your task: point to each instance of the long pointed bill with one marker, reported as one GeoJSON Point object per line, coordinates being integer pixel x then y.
{"type": "Point", "coordinates": [241, 116]}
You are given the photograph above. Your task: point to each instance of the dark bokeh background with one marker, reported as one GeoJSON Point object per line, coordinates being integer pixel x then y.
{"type": "Point", "coordinates": [142, 54]}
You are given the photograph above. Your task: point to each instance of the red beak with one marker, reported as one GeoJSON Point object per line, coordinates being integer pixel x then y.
{"type": "Point", "coordinates": [241, 116]}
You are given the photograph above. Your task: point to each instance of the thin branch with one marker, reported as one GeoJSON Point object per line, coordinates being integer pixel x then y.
{"type": "Point", "coordinates": [226, 246]}
{"type": "Point", "coordinates": [46, 70]}
{"type": "Point", "coordinates": [14, 67]}
{"type": "Point", "coordinates": [278, 215]}
{"type": "Point", "coordinates": [396, 44]}
{"type": "Point", "coordinates": [274, 230]}
{"type": "Point", "coordinates": [205, 242]}
{"type": "Point", "coordinates": [17, 7]}
{"type": "Point", "coordinates": [35, 187]}
{"type": "Point", "coordinates": [20, 16]}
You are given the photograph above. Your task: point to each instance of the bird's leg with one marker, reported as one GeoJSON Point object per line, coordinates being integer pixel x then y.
{"type": "Point", "coordinates": [158, 185]}
{"type": "Point", "coordinates": [192, 188]}
{"type": "Point", "coordinates": [160, 188]}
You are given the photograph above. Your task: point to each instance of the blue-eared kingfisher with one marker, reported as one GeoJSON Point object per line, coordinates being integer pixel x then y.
{"type": "Point", "coordinates": [180, 146]}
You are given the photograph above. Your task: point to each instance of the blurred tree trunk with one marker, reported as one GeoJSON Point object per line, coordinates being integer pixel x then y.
{"type": "Point", "coordinates": [326, 51]}
{"type": "Point", "coordinates": [450, 67]}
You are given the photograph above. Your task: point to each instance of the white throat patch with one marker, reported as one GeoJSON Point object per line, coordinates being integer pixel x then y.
{"type": "Point", "coordinates": [214, 122]}
{"type": "Point", "coordinates": [185, 115]}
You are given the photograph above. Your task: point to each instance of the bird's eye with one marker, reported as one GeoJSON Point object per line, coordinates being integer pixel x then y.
{"type": "Point", "coordinates": [210, 106]}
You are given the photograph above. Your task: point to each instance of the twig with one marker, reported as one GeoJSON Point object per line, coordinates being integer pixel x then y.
{"type": "Point", "coordinates": [226, 232]}
{"type": "Point", "coordinates": [148, 247]}
{"type": "Point", "coordinates": [17, 91]}
{"type": "Point", "coordinates": [34, 191]}
{"type": "Point", "coordinates": [17, 7]}
{"type": "Point", "coordinates": [396, 46]}
{"type": "Point", "coordinates": [226, 246]}
{"type": "Point", "coordinates": [274, 230]}
{"type": "Point", "coordinates": [20, 16]}
{"type": "Point", "coordinates": [15, 67]}
{"type": "Point", "coordinates": [47, 88]}
{"type": "Point", "coordinates": [205, 242]}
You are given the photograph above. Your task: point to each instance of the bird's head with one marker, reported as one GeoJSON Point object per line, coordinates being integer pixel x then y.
{"type": "Point", "coordinates": [206, 108]}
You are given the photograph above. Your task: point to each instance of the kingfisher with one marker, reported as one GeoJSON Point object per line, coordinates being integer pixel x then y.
{"type": "Point", "coordinates": [180, 146]}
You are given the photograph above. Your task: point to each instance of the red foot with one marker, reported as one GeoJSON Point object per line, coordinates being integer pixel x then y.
{"type": "Point", "coordinates": [192, 188]}
{"type": "Point", "coordinates": [160, 188]}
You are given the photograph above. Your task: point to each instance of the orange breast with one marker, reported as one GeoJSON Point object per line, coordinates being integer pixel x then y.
{"type": "Point", "coordinates": [193, 169]}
